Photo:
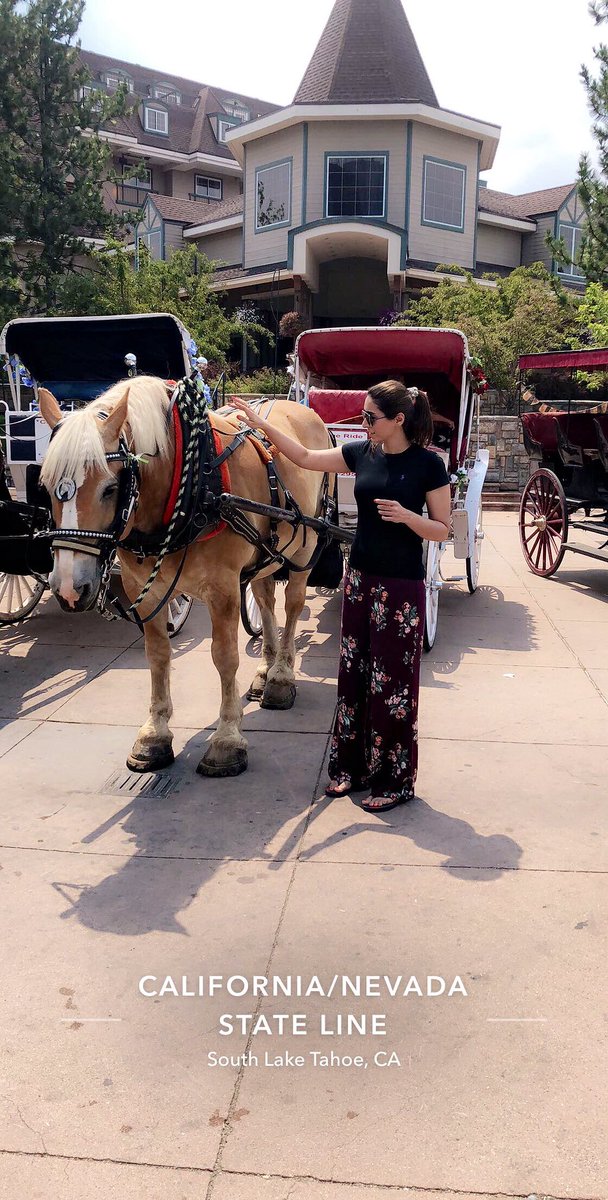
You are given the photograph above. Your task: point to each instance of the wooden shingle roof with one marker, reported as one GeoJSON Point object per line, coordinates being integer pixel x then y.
{"type": "Point", "coordinates": [367, 54]}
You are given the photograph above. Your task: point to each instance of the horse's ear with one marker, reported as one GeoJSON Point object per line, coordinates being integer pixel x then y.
{"type": "Point", "coordinates": [113, 424]}
{"type": "Point", "coordinates": [49, 407]}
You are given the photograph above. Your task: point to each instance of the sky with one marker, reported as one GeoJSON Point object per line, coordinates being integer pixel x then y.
{"type": "Point", "coordinates": [515, 64]}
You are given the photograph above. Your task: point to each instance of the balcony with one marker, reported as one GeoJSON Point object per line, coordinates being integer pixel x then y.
{"type": "Point", "coordinates": [132, 195]}
{"type": "Point", "coordinates": [202, 199]}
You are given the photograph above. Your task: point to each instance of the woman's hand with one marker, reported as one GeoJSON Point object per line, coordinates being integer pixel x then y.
{"type": "Point", "coordinates": [391, 510]}
{"type": "Point", "coordinates": [247, 413]}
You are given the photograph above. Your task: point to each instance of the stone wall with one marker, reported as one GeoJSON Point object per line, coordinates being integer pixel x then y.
{"type": "Point", "coordinates": [509, 464]}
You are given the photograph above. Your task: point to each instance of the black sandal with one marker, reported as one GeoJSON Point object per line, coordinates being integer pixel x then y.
{"type": "Point", "coordinates": [402, 798]}
{"type": "Point", "coordinates": [337, 788]}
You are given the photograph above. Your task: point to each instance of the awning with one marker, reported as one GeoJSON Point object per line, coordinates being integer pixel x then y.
{"type": "Point", "coordinates": [566, 360]}
{"type": "Point", "coordinates": [367, 351]}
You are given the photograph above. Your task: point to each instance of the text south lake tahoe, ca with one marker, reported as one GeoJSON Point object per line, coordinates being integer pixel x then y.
{"type": "Point", "coordinates": [313, 1058]}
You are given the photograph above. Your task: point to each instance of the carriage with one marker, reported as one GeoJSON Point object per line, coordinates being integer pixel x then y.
{"type": "Point", "coordinates": [334, 368]}
{"type": "Point", "coordinates": [568, 485]}
{"type": "Point", "coordinates": [77, 358]}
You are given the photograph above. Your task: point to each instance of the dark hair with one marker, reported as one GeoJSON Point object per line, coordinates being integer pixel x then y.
{"type": "Point", "coordinates": [392, 398]}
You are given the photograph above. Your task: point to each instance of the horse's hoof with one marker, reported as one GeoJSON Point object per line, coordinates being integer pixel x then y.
{"type": "Point", "coordinates": [215, 770]}
{"type": "Point", "coordinates": [154, 760]}
{"type": "Point", "coordinates": [255, 693]}
{"type": "Point", "coordinates": [279, 695]}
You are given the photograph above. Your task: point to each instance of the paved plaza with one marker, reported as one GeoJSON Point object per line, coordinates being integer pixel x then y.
{"type": "Point", "coordinates": [496, 874]}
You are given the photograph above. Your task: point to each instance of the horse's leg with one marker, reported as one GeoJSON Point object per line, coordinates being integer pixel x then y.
{"type": "Point", "coordinates": [280, 689]}
{"type": "Point", "coordinates": [227, 750]}
{"type": "Point", "coordinates": [264, 592]}
{"type": "Point", "coordinates": [153, 747]}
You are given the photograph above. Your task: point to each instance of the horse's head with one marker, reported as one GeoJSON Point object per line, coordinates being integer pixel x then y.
{"type": "Point", "coordinates": [91, 480]}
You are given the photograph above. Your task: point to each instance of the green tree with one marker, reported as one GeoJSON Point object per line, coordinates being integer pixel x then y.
{"type": "Point", "coordinates": [592, 257]}
{"type": "Point", "coordinates": [525, 313]}
{"type": "Point", "coordinates": [181, 286]}
{"type": "Point", "coordinates": [52, 160]}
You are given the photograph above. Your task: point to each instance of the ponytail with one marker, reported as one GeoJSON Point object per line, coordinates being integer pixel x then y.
{"type": "Point", "coordinates": [418, 424]}
{"type": "Point", "coordinates": [393, 397]}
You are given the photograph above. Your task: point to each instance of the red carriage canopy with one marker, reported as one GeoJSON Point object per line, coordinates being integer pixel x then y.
{"type": "Point", "coordinates": [366, 351]}
{"type": "Point", "coordinates": [565, 360]}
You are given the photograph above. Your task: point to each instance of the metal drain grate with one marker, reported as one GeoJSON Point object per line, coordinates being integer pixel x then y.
{"type": "Point", "coordinates": [127, 783]}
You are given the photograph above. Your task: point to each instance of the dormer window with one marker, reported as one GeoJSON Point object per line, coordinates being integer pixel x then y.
{"type": "Point", "coordinates": [235, 108]}
{"type": "Point", "coordinates": [223, 125]}
{"type": "Point", "coordinates": [113, 80]}
{"type": "Point", "coordinates": [156, 120]}
{"type": "Point", "coordinates": [166, 92]}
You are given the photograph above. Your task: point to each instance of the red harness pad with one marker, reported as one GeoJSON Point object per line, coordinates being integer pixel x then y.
{"type": "Point", "coordinates": [177, 474]}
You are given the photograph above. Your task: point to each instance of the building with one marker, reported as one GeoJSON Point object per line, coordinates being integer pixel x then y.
{"type": "Point", "coordinates": [339, 205]}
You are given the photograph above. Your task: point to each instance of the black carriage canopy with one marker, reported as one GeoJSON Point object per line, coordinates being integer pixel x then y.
{"type": "Point", "coordinates": [79, 358]}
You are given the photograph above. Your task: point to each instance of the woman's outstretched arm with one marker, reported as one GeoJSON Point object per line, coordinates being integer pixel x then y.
{"type": "Point", "coordinates": [313, 460]}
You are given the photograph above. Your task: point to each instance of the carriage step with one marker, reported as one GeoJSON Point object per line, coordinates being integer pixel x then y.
{"type": "Point", "coordinates": [579, 548]}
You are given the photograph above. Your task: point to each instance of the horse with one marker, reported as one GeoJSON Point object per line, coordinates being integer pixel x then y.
{"type": "Point", "coordinates": [86, 493]}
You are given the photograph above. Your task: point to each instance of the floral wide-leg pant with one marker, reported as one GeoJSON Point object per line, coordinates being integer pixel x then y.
{"type": "Point", "coordinates": [375, 735]}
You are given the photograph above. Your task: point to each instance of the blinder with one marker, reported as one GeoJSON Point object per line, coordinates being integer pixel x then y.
{"type": "Point", "coordinates": [102, 543]}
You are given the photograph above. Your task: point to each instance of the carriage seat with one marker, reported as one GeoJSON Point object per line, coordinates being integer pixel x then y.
{"type": "Point", "coordinates": [601, 429]}
{"type": "Point", "coordinates": [540, 434]}
{"type": "Point", "coordinates": [333, 405]}
{"type": "Point", "coordinates": [576, 438]}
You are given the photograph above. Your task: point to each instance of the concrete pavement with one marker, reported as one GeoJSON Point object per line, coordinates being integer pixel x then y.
{"type": "Point", "coordinates": [495, 875]}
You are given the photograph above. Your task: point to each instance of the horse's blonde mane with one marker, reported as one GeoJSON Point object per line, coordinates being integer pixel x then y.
{"type": "Point", "coordinates": [78, 445]}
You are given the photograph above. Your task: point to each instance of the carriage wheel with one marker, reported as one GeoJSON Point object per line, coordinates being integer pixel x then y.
{"type": "Point", "coordinates": [178, 613]}
{"type": "Point", "coordinates": [432, 584]}
{"type": "Point", "coordinates": [250, 612]}
{"type": "Point", "coordinates": [474, 560]}
{"type": "Point", "coordinates": [543, 522]}
{"type": "Point", "coordinates": [19, 595]}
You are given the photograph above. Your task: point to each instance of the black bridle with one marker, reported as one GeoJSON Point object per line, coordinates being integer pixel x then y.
{"type": "Point", "coordinates": [102, 543]}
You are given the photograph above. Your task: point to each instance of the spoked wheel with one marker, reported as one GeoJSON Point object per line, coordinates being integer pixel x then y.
{"type": "Point", "coordinates": [250, 612]}
{"type": "Point", "coordinates": [178, 613]}
{"type": "Point", "coordinates": [474, 559]}
{"type": "Point", "coordinates": [543, 522]}
{"type": "Point", "coordinates": [432, 585]}
{"type": "Point", "coordinates": [19, 595]}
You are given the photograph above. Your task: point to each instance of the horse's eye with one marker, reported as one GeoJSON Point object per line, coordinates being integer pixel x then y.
{"type": "Point", "coordinates": [109, 491]}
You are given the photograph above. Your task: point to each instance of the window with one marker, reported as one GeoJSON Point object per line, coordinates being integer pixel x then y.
{"type": "Point", "coordinates": [113, 79]}
{"type": "Point", "coordinates": [224, 127]}
{"type": "Point", "coordinates": [443, 194]}
{"type": "Point", "coordinates": [134, 175]}
{"type": "Point", "coordinates": [235, 108]}
{"type": "Point", "coordinates": [273, 188]}
{"type": "Point", "coordinates": [206, 188]}
{"type": "Point", "coordinates": [355, 186]}
{"type": "Point", "coordinates": [572, 235]}
{"type": "Point", "coordinates": [166, 92]}
{"type": "Point", "coordinates": [153, 242]}
{"type": "Point", "coordinates": [156, 120]}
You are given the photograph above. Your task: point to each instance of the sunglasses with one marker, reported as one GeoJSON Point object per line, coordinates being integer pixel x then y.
{"type": "Point", "coordinates": [371, 418]}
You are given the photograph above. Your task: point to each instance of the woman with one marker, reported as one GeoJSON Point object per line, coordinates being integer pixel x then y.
{"type": "Point", "coordinates": [375, 736]}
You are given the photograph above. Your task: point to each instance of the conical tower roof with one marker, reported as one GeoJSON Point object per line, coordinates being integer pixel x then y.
{"type": "Point", "coordinates": [367, 54]}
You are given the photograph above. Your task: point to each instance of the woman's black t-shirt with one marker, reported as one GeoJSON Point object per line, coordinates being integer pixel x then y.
{"type": "Point", "coordinates": [385, 547]}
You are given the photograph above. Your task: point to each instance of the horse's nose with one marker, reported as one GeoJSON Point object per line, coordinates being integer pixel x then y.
{"type": "Point", "coordinates": [76, 598]}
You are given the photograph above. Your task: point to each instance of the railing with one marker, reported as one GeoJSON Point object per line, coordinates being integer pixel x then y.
{"type": "Point", "coordinates": [128, 193]}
